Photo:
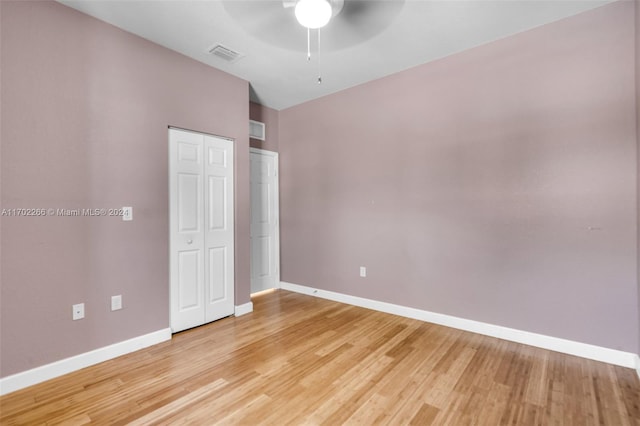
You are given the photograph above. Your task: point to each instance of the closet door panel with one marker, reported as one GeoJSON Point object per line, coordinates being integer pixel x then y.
{"type": "Point", "coordinates": [219, 227]}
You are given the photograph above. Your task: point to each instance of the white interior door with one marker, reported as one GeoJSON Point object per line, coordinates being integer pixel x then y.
{"type": "Point", "coordinates": [265, 234]}
{"type": "Point", "coordinates": [219, 231]}
{"type": "Point", "coordinates": [201, 228]}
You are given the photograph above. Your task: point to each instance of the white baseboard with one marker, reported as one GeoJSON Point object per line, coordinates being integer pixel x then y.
{"type": "Point", "coordinates": [638, 365]}
{"type": "Point", "coordinates": [244, 309]}
{"type": "Point", "coordinates": [584, 350]}
{"type": "Point", "coordinates": [55, 369]}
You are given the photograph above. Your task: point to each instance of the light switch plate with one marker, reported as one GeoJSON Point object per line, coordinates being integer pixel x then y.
{"type": "Point", "coordinates": [127, 213]}
{"type": "Point", "coordinates": [116, 302]}
{"type": "Point", "coordinates": [78, 311]}
{"type": "Point", "coordinates": [363, 271]}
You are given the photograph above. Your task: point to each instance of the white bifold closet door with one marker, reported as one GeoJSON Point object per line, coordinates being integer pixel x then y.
{"type": "Point", "coordinates": [201, 228]}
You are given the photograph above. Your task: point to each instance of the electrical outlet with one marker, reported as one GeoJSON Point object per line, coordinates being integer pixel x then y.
{"type": "Point", "coordinates": [363, 271]}
{"type": "Point", "coordinates": [116, 302]}
{"type": "Point", "coordinates": [127, 213]}
{"type": "Point", "coordinates": [78, 311]}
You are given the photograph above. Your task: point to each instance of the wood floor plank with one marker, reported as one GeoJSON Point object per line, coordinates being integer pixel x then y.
{"type": "Point", "coordinates": [302, 360]}
{"type": "Point", "coordinates": [425, 416]}
{"type": "Point", "coordinates": [179, 404]}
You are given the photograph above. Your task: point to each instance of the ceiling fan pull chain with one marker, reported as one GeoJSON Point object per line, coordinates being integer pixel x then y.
{"type": "Point", "coordinates": [308, 44]}
{"type": "Point", "coordinates": [319, 74]}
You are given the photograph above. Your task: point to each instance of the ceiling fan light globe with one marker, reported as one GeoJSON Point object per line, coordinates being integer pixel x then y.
{"type": "Point", "coordinates": [313, 14]}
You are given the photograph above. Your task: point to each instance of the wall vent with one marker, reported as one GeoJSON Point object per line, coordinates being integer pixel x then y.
{"type": "Point", "coordinates": [225, 53]}
{"type": "Point", "coordinates": [257, 130]}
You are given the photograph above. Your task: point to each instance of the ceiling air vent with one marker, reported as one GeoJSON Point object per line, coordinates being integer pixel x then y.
{"type": "Point", "coordinates": [225, 53]}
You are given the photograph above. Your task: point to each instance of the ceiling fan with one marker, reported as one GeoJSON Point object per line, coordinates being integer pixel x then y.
{"type": "Point", "coordinates": [313, 15]}
{"type": "Point", "coordinates": [348, 22]}
{"type": "Point", "coordinates": [352, 22]}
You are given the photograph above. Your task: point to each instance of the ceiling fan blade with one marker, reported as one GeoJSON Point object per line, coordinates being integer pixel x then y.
{"type": "Point", "coordinates": [371, 13]}
{"type": "Point", "coordinates": [361, 20]}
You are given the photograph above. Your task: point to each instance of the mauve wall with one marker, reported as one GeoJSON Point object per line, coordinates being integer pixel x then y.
{"type": "Point", "coordinates": [85, 110]}
{"type": "Point", "coordinates": [498, 184]}
{"type": "Point", "coordinates": [269, 117]}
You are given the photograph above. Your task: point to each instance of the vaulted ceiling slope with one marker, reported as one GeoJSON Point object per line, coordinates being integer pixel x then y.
{"type": "Point", "coordinates": [369, 39]}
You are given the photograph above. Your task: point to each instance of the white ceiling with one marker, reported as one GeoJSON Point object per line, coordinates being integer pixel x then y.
{"type": "Point", "coordinates": [380, 37]}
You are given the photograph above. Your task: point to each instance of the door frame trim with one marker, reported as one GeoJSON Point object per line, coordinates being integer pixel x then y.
{"type": "Point", "coordinates": [202, 133]}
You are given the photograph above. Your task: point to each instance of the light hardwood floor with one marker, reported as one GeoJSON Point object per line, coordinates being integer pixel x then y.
{"type": "Point", "coordinates": [303, 360]}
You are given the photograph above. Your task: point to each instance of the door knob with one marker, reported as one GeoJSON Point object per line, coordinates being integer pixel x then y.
{"type": "Point", "coordinates": [189, 241]}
